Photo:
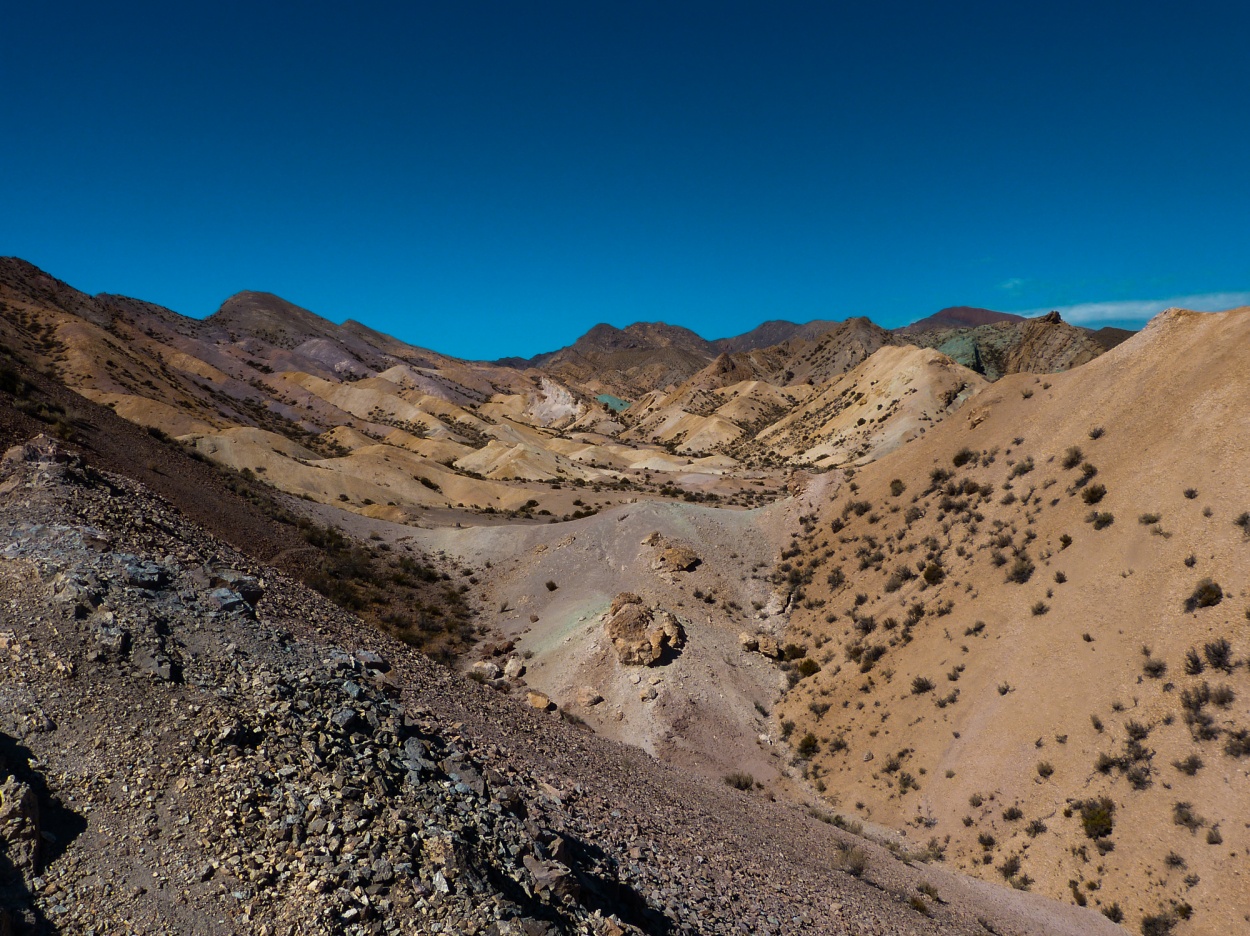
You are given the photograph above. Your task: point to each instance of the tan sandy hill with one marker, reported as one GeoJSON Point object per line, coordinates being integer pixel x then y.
{"type": "Point", "coordinates": [1028, 632]}
{"type": "Point", "coordinates": [894, 396]}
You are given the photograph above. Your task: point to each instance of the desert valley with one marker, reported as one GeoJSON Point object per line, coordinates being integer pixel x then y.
{"type": "Point", "coordinates": [821, 628]}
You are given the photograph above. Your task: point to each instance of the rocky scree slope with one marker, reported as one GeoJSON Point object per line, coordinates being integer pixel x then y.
{"type": "Point", "coordinates": [190, 742]}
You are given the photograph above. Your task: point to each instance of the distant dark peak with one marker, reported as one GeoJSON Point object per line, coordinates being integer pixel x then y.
{"type": "Point", "coordinates": [1108, 337]}
{"type": "Point", "coordinates": [774, 332]}
{"type": "Point", "coordinates": [961, 317]}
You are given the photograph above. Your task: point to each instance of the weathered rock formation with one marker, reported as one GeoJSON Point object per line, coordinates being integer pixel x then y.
{"type": "Point", "coordinates": [639, 634]}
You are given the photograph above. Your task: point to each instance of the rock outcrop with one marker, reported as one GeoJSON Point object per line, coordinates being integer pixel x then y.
{"type": "Point", "coordinates": [641, 635]}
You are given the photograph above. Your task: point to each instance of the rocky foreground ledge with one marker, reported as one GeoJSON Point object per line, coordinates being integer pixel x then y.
{"type": "Point", "coordinates": [190, 743]}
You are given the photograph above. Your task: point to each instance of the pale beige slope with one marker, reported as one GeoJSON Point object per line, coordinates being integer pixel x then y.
{"type": "Point", "coordinates": [894, 396]}
{"type": "Point", "coordinates": [1170, 404]}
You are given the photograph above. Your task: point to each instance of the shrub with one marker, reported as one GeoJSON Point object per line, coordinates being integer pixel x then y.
{"type": "Point", "coordinates": [1060, 578]}
{"type": "Point", "coordinates": [1094, 493]}
{"type": "Point", "coordinates": [1148, 518]}
{"type": "Point", "coordinates": [933, 573]}
{"type": "Point", "coordinates": [1158, 924]}
{"type": "Point", "coordinates": [1021, 570]}
{"type": "Point", "coordinates": [1154, 668]}
{"type": "Point", "coordinates": [897, 487]}
{"type": "Point", "coordinates": [1213, 835]}
{"type": "Point", "coordinates": [1219, 654]}
{"type": "Point", "coordinates": [1096, 432]}
{"type": "Point", "coordinates": [1097, 817]}
{"type": "Point", "coordinates": [1183, 815]}
{"type": "Point", "coordinates": [921, 685]}
{"type": "Point", "coordinates": [1193, 663]}
{"type": "Point", "coordinates": [807, 667]}
{"type": "Point", "coordinates": [854, 860]}
{"type": "Point", "coordinates": [808, 746]}
{"type": "Point", "coordinates": [1243, 521]}
{"type": "Point", "coordinates": [1206, 594]}
{"type": "Point", "coordinates": [1035, 828]}
{"type": "Point", "coordinates": [1022, 467]}
{"type": "Point", "coordinates": [1100, 519]}
{"type": "Point", "coordinates": [1039, 608]}
{"type": "Point", "coordinates": [1190, 493]}
{"type": "Point", "coordinates": [1072, 457]}
{"type": "Point", "coordinates": [739, 780]}
{"type": "Point", "coordinates": [1189, 765]}
{"type": "Point", "coordinates": [963, 456]}
{"type": "Point", "coordinates": [1045, 769]}
{"type": "Point", "coordinates": [1012, 813]}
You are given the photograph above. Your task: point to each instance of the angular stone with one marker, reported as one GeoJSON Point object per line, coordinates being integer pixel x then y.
{"type": "Point", "coordinates": [486, 669]}
{"type": "Point", "coordinates": [538, 700]}
{"type": "Point", "coordinates": [146, 575]}
{"type": "Point", "coordinates": [587, 697]}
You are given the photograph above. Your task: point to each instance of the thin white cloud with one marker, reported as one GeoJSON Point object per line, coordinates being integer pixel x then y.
{"type": "Point", "coordinates": [1012, 284]}
{"type": "Point", "coordinates": [1088, 313]}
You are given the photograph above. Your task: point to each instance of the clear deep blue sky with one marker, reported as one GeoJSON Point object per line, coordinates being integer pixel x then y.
{"type": "Point", "coordinates": [494, 178]}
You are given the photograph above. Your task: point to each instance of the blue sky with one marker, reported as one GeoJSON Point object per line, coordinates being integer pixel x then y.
{"type": "Point", "coordinates": [494, 178]}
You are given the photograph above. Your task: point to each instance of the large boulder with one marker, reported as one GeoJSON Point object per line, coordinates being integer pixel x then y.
{"type": "Point", "coordinates": [641, 635]}
{"type": "Point", "coordinates": [675, 559]}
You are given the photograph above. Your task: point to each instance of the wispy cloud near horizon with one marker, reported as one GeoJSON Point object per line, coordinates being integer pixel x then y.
{"type": "Point", "coordinates": [1140, 310]}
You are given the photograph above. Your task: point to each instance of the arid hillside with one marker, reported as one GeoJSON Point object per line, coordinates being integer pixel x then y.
{"type": "Point", "coordinates": [1026, 635]}
{"type": "Point", "coordinates": [190, 741]}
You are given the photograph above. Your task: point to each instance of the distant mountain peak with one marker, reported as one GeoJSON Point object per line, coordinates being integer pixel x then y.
{"type": "Point", "coordinates": [961, 317]}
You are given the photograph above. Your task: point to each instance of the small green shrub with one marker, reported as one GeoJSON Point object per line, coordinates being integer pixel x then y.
{"type": "Point", "coordinates": [1206, 594]}
{"type": "Point", "coordinates": [1097, 817]}
{"type": "Point", "coordinates": [808, 746]}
